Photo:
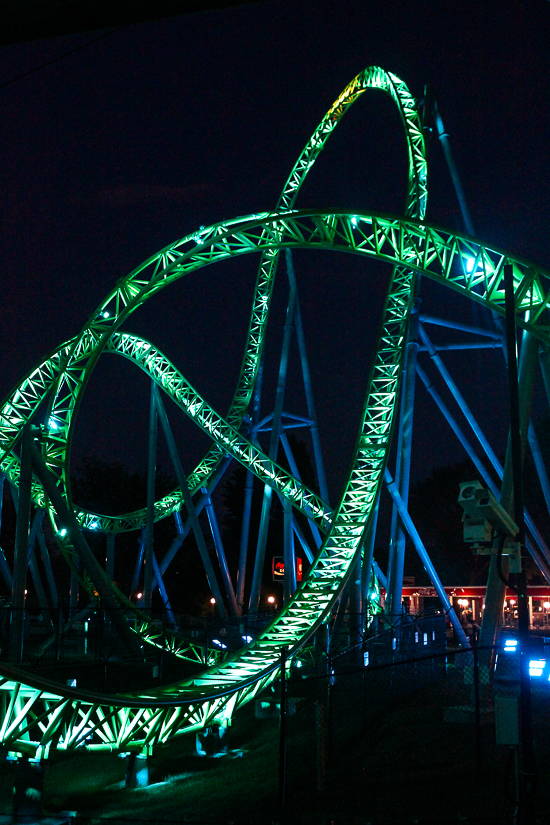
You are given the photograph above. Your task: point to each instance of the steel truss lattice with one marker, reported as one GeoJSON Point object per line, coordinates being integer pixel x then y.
{"type": "Point", "coordinates": [36, 715]}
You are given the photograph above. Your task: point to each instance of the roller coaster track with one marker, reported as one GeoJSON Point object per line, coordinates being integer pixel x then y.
{"type": "Point", "coordinates": [37, 715]}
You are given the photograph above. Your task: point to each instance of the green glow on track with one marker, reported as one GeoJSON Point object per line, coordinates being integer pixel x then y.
{"type": "Point", "coordinates": [36, 715]}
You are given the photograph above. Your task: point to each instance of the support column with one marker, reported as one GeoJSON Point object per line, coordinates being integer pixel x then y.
{"type": "Point", "coordinates": [426, 561]}
{"type": "Point", "coordinates": [150, 524]}
{"type": "Point", "coordinates": [248, 492]}
{"type": "Point", "coordinates": [220, 553]}
{"type": "Point", "coordinates": [21, 548]}
{"type": "Point", "coordinates": [308, 387]}
{"type": "Point", "coordinates": [495, 594]}
{"type": "Point", "coordinates": [289, 582]}
{"type": "Point", "coordinates": [50, 578]}
{"type": "Point", "coordinates": [110, 556]}
{"type": "Point", "coordinates": [95, 571]}
{"type": "Point", "coordinates": [188, 501]}
{"type": "Point", "coordinates": [273, 450]}
{"type": "Point", "coordinates": [403, 469]}
{"type": "Point", "coordinates": [368, 554]}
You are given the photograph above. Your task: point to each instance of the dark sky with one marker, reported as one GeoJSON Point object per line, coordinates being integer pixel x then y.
{"type": "Point", "coordinates": [113, 152]}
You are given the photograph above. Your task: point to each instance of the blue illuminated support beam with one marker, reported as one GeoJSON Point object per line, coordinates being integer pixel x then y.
{"type": "Point", "coordinates": [74, 587]}
{"type": "Point", "coordinates": [94, 569]}
{"type": "Point", "coordinates": [308, 387]}
{"type": "Point", "coordinates": [457, 429]}
{"type": "Point", "coordinates": [182, 530]}
{"type": "Point", "coordinates": [424, 557]}
{"type": "Point", "coordinates": [466, 345]}
{"type": "Point", "coordinates": [356, 601]}
{"type": "Point", "coordinates": [162, 591]}
{"type": "Point", "coordinates": [150, 523]}
{"type": "Point", "coordinates": [249, 490]}
{"type": "Point", "coordinates": [32, 566]}
{"type": "Point", "coordinates": [403, 469]}
{"type": "Point", "coordinates": [273, 450]}
{"type": "Point", "coordinates": [220, 553]}
{"type": "Point", "coordinates": [191, 512]}
{"type": "Point", "coordinates": [540, 553]}
{"type": "Point", "coordinates": [451, 324]}
{"type": "Point", "coordinates": [4, 567]}
{"type": "Point", "coordinates": [443, 137]}
{"type": "Point", "coordinates": [461, 401]}
{"type": "Point", "coordinates": [296, 473]}
{"type": "Point", "coordinates": [47, 564]}
{"type": "Point", "coordinates": [245, 537]}
{"type": "Point", "coordinates": [539, 464]}
{"type": "Point", "coordinates": [368, 552]}
{"type": "Point", "coordinates": [35, 572]}
{"type": "Point", "coordinates": [301, 538]}
{"type": "Point", "coordinates": [544, 361]}
{"type": "Point", "coordinates": [380, 575]}
{"type": "Point", "coordinates": [289, 581]}
{"type": "Point", "coordinates": [139, 564]}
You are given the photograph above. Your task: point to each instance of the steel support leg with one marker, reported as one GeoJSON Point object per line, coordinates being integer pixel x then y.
{"type": "Point", "coordinates": [162, 591]}
{"type": "Point", "coordinates": [183, 530]}
{"type": "Point", "coordinates": [495, 593]}
{"type": "Point", "coordinates": [4, 567]}
{"type": "Point", "coordinates": [110, 556]}
{"type": "Point", "coordinates": [289, 582]}
{"type": "Point", "coordinates": [138, 564]}
{"type": "Point", "coordinates": [150, 524]}
{"type": "Point", "coordinates": [461, 401]}
{"type": "Point", "coordinates": [220, 553]}
{"type": "Point", "coordinates": [368, 556]}
{"type": "Point", "coordinates": [425, 559]}
{"type": "Point", "coordinates": [94, 569]}
{"type": "Point", "coordinates": [21, 548]}
{"type": "Point", "coordinates": [308, 387]}
{"type": "Point", "coordinates": [188, 501]}
{"type": "Point", "coordinates": [35, 572]}
{"type": "Point", "coordinates": [403, 470]}
{"type": "Point", "coordinates": [47, 564]}
{"type": "Point", "coordinates": [296, 473]}
{"type": "Point", "coordinates": [273, 450]}
{"type": "Point", "coordinates": [248, 491]}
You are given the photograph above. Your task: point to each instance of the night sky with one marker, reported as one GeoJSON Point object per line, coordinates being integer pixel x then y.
{"type": "Point", "coordinates": [113, 152]}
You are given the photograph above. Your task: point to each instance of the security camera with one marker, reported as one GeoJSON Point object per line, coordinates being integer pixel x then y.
{"type": "Point", "coordinates": [479, 503]}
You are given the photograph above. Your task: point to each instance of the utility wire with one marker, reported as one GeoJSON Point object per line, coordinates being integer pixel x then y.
{"type": "Point", "coordinates": [61, 56]}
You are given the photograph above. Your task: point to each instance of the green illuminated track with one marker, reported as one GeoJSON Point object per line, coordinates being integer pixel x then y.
{"type": "Point", "coordinates": [35, 715]}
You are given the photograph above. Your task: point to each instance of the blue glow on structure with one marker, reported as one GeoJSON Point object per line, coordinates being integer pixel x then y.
{"type": "Point", "coordinates": [511, 645]}
{"type": "Point", "coordinates": [247, 639]}
{"type": "Point", "coordinates": [52, 424]}
{"type": "Point", "coordinates": [62, 532]}
{"type": "Point", "coordinates": [220, 644]}
{"type": "Point", "coordinates": [353, 220]}
{"type": "Point", "coordinates": [536, 666]}
{"type": "Point", "coordinates": [94, 525]}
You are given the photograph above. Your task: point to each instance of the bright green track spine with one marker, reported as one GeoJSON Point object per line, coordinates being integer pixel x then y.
{"type": "Point", "coordinates": [36, 715]}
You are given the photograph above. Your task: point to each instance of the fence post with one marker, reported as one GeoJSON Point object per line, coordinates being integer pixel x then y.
{"type": "Point", "coordinates": [320, 743]}
{"type": "Point", "coordinates": [476, 701]}
{"type": "Point", "coordinates": [282, 731]}
{"type": "Point", "coordinates": [329, 711]}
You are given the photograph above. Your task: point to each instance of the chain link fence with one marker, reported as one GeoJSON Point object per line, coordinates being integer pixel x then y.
{"type": "Point", "coordinates": [416, 731]}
